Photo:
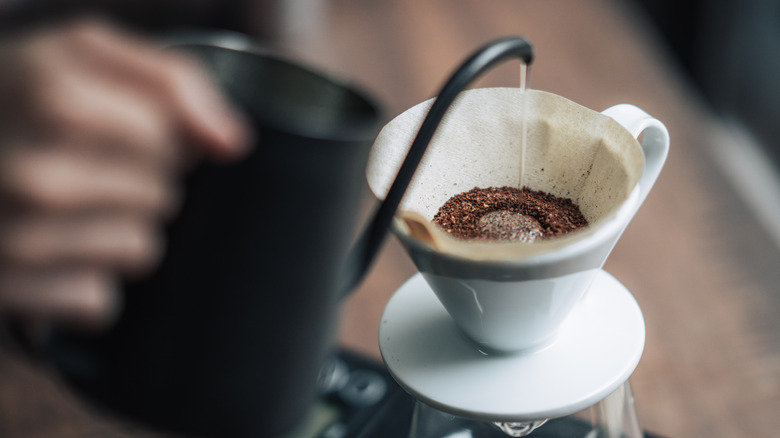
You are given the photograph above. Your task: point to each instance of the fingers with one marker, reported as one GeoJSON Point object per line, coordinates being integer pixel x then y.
{"type": "Point", "coordinates": [93, 113]}
{"type": "Point", "coordinates": [76, 296]}
{"type": "Point", "coordinates": [109, 241]}
{"type": "Point", "coordinates": [94, 126]}
{"type": "Point", "coordinates": [182, 88]}
{"type": "Point", "coordinates": [61, 179]}
{"type": "Point", "coordinates": [90, 81]}
{"type": "Point", "coordinates": [72, 224]}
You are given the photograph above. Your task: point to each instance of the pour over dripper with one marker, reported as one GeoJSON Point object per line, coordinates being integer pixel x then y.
{"type": "Point", "coordinates": [514, 296]}
{"type": "Point", "coordinates": [536, 346]}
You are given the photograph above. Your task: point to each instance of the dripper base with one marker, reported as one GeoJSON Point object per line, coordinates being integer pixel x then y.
{"type": "Point", "coordinates": [596, 350]}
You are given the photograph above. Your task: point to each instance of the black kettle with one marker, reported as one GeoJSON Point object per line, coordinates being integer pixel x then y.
{"type": "Point", "coordinates": [227, 337]}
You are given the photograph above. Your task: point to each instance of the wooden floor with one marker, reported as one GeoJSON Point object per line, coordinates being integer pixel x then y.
{"type": "Point", "coordinates": [699, 263]}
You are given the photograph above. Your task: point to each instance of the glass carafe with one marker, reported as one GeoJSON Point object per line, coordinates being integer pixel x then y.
{"type": "Point", "coordinates": [613, 417]}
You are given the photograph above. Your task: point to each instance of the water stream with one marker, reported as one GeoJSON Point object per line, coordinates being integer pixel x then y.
{"type": "Point", "coordinates": [523, 85]}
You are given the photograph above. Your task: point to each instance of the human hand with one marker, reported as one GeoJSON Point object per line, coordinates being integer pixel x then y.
{"type": "Point", "coordinates": [95, 126]}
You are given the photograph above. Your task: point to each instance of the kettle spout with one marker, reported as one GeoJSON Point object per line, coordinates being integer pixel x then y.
{"type": "Point", "coordinates": [362, 254]}
{"type": "Point", "coordinates": [365, 249]}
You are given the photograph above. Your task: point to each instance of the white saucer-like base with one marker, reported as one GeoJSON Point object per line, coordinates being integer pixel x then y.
{"type": "Point", "coordinates": [595, 352]}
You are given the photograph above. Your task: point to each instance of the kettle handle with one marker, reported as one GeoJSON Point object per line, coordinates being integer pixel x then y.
{"type": "Point", "coordinates": [367, 246]}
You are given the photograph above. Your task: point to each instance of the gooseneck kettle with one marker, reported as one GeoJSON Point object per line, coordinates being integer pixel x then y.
{"type": "Point", "coordinates": [227, 337]}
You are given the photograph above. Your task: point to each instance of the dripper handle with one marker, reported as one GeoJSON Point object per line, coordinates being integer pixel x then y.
{"type": "Point", "coordinates": [654, 141]}
{"type": "Point", "coordinates": [365, 249]}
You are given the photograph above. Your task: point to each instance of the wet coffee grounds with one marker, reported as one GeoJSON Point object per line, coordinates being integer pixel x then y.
{"type": "Point", "coordinates": [508, 213]}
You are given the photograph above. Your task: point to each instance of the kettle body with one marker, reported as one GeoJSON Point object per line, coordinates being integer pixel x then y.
{"type": "Point", "coordinates": [227, 336]}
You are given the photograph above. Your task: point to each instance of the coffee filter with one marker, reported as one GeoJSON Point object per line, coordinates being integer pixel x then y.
{"type": "Point", "coordinates": [571, 152]}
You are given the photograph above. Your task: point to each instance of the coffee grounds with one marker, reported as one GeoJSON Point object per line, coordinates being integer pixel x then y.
{"type": "Point", "coordinates": [527, 215]}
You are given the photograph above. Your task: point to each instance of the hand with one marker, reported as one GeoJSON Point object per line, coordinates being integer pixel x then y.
{"type": "Point", "coordinates": [95, 126]}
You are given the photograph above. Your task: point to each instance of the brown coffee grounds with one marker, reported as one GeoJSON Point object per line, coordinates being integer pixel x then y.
{"type": "Point", "coordinates": [508, 213]}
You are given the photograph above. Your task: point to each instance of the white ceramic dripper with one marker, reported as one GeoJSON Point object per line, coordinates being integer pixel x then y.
{"type": "Point", "coordinates": [514, 296]}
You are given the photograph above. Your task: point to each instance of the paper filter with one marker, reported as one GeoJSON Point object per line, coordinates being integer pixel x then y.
{"type": "Point", "coordinates": [570, 151]}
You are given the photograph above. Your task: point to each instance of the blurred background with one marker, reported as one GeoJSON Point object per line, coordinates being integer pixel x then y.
{"type": "Point", "coordinates": [702, 256]}
{"type": "Point", "coordinates": [729, 51]}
